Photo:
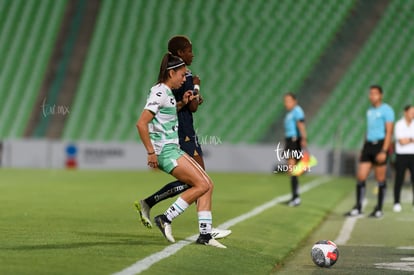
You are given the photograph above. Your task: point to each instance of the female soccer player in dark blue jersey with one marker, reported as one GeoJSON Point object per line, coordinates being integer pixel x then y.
{"type": "Point", "coordinates": [181, 46]}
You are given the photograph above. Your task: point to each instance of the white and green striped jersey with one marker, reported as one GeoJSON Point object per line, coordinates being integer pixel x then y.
{"type": "Point", "coordinates": [163, 128]}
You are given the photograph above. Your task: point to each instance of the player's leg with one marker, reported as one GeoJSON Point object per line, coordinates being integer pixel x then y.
{"type": "Point", "coordinates": [194, 150]}
{"type": "Point", "coordinates": [366, 160]}
{"type": "Point", "coordinates": [410, 166]}
{"type": "Point", "coordinates": [294, 185]}
{"type": "Point", "coordinates": [170, 190]}
{"type": "Point", "coordinates": [292, 147]}
{"type": "Point", "coordinates": [204, 202]}
{"type": "Point", "coordinates": [380, 175]}
{"type": "Point", "coordinates": [364, 168]}
{"type": "Point", "coordinates": [144, 206]}
{"type": "Point", "coordinates": [399, 178]}
{"type": "Point", "coordinates": [199, 159]}
{"type": "Point", "coordinates": [184, 171]}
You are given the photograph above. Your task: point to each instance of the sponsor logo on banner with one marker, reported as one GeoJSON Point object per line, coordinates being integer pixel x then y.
{"type": "Point", "coordinates": [96, 155]}
{"type": "Point", "coordinates": [71, 156]}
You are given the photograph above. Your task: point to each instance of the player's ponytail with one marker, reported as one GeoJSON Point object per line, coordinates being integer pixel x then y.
{"type": "Point", "coordinates": [169, 62]}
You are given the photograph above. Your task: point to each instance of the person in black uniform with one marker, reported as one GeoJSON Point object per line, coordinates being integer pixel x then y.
{"type": "Point", "coordinates": [181, 46]}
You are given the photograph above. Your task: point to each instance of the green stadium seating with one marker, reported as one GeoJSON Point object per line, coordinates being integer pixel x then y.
{"type": "Point", "coordinates": [28, 32]}
{"type": "Point", "coordinates": [386, 59]}
{"type": "Point", "coordinates": [248, 54]}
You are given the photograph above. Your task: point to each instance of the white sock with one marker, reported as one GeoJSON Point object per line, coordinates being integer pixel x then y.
{"type": "Point", "coordinates": [205, 221]}
{"type": "Point", "coordinates": [176, 209]}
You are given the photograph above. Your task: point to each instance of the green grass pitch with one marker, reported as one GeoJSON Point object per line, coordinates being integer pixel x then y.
{"type": "Point", "coordinates": [83, 222]}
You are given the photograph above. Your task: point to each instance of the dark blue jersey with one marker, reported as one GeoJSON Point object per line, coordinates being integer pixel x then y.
{"type": "Point", "coordinates": [185, 116]}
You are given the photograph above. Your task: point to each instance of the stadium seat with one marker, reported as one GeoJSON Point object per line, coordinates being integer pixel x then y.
{"type": "Point", "coordinates": [386, 59]}
{"type": "Point", "coordinates": [245, 68]}
{"type": "Point", "coordinates": [27, 37]}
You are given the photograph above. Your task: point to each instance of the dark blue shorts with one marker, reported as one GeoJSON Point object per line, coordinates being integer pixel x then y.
{"type": "Point", "coordinates": [191, 146]}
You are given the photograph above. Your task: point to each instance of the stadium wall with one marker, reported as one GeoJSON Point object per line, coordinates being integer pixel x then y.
{"type": "Point", "coordinates": [45, 153]}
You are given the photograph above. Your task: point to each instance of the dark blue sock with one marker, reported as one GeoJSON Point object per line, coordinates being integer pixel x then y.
{"type": "Point", "coordinates": [295, 186]}
{"type": "Point", "coordinates": [168, 191]}
{"type": "Point", "coordinates": [360, 193]}
{"type": "Point", "coordinates": [382, 188]}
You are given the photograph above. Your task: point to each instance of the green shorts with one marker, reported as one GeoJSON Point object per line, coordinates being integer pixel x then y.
{"type": "Point", "coordinates": [167, 159]}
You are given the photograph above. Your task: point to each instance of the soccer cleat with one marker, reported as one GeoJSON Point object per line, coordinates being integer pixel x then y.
{"type": "Point", "coordinates": [144, 212]}
{"type": "Point", "coordinates": [397, 208]}
{"type": "Point", "coordinates": [206, 239]}
{"type": "Point", "coordinates": [294, 202]}
{"type": "Point", "coordinates": [354, 212]}
{"type": "Point", "coordinates": [165, 227]}
{"type": "Point", "coordinates": [376, 214]}
{"type": "Point", "coordinates": [218, 233]}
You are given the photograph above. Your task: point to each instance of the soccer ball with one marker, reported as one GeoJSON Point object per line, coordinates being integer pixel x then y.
{"type": "Point", "coordinates": [324, 253]}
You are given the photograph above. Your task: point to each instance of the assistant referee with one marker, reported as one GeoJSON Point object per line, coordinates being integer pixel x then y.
{"type": "Point", "coordinates": [380, 120]}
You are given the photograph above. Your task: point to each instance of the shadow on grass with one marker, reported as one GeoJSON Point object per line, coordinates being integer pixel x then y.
{"type": "Point", "coordinates": [102, 239]}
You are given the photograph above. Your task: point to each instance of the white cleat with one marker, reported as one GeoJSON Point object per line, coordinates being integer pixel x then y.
{"type": "Point", "coordinates": [397, 208]}
{"type": "Point", "coordinates": [215, 243]}
{"type": "Point", "coordinates": [165, 227]}
{"type": "Point", "coordinates": [218, 233]}
{"type": "Point", "coordinates": [144, 212]}
{"type": "Point", "coordinates": [354, 212]}
{"type": "Point", "coordinates": [206, 239]}
{"type": "Point", "coordinates": [295, 202]}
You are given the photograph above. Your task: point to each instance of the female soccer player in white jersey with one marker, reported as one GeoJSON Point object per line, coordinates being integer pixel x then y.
{"type": "Point", "coordinates": [181, 46]}
{"type": "Point", "coordinates": [158, 129]}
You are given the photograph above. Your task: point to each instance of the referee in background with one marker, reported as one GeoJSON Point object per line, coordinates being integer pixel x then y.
{"type": "Point", "coordinates": [404, 149]}
{"type": "Point", "coordinates": [380, 119]}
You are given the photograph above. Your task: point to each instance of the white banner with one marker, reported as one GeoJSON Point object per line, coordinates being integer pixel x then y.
{"type": "Point", "coordinates": [30, 153]}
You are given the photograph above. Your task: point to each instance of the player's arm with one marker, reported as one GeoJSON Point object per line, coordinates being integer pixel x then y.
{"type": "Point", "coordinates": [187, 97]}
{"type": "Point", "coordinates": [400, 139]}
{"type": "Point", "coordinates": [302, 130]}
{"type": "Point", "coordinates": [405, 141]}
{"type": "Point", "coordinates": [194, 103]}
{"type": "Point", "coordinates": [389, 126]}
{"type": "Point", "coordinates": [143, 131]}
{"type": "Point", "coordinates": [382, 156]}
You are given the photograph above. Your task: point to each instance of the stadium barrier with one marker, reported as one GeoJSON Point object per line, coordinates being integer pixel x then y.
{"type": "Point", "coordinates": [44, 153]}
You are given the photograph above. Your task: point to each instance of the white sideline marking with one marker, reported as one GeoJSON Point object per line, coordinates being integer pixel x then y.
{"type": "Point", "coordinates": [406, 247]}
{"type": "Point", "coordinates": [147, 262]}
{"type": "Point", "coordinates": [348, 227]}
{"type": "Point", "coordinates": [399, 266]}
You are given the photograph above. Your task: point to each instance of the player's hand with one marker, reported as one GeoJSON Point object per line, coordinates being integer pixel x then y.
{"type": "Point", "coordinates": [152, 161]}
{"type": "Point", "coordinates": [381, 157]}
{"type": "Point", "coordinates": [303, 143]}
{"type": "Point", "coordinates": [196, 80]}
{"type": "Point", "coordinates": [196, 98]}
{"type": "Point", "coordinates": [187, 97]}
{"type": "Point", "coordinates": [200, 99]}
